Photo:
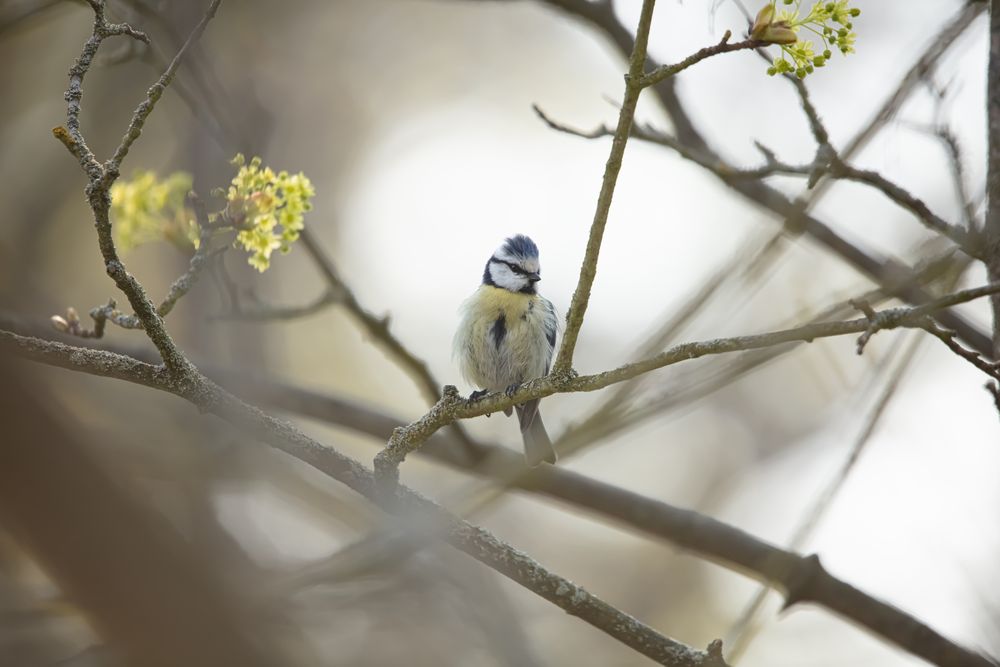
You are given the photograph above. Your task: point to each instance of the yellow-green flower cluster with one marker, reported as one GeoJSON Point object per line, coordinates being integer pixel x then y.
{"type": "Point", "coordinates": [829, 21]}
{"type": "Point", "coordinates": [267, 208]}
{"type": "Point", "coordinates": [147, 208]}
{"type": "Point", "coordinates": [263, 207]}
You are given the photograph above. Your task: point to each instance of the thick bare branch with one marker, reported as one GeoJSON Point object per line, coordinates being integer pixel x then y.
{"type": "Point", "coordinates": [474, 541]}
{"type": "Point", "coordinates": [745, 628]}
{"type": "Point", "coordinates": [720, 543]}
{"type": "Point", "coordinates": [144, 587]}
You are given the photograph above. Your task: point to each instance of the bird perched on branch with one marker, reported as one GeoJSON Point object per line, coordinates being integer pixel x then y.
{"type": "Point", "coordinates": [507, 336]}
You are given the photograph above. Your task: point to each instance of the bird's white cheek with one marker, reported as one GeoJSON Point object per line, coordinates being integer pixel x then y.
{"type": "Point", "coordinates": [507, 279]}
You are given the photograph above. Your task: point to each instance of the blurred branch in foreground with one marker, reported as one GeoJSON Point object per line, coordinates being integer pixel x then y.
{"type": "Point", "coordinates": [141, 584]}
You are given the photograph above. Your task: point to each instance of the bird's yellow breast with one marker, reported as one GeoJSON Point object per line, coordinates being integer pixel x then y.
{"type": "Point", "coordinates": [496, 301]}
{"type": "Point", "coordinates": [502, 339]}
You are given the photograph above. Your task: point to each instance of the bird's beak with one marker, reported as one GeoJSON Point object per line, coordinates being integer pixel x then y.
{"type": "Point", "coordinates": [534, 277]}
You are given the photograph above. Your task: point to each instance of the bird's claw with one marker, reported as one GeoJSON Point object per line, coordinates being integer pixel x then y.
{"type": "Point", "coordinates": [511, 390]}
{"type": "Point", "coordinates": [476, 395]}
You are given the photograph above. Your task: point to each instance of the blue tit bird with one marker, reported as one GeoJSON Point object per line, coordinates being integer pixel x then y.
{"type": "Point", "coordinates": [507, 335]}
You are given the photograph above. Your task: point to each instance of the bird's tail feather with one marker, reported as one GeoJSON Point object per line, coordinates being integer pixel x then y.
{"type": "Point", "coordinates": [537, 445]}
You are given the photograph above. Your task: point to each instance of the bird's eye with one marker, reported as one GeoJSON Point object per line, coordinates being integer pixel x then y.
{"type": "Point", "coordinates": [515, 268]}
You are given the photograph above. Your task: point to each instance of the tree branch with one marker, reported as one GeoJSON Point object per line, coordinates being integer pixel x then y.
{"type": "Point", "coordinates": [144, 586]}
{"type": "Point", "coordinates": [453, 407]}
{"type": "Point", "coordinates": [827, 162]}
{"type": "Point", "coordinates": [635, 82]}
{"type": "Point", "coordinates": [745, 628]}
{"type": "Point", "coordinates": [109, 312]}
{"type": "Point", "coordinates": [692, 145]}
{"type": "Point", "coordinates": [478, 543]}
{"type": "Point", "coordinates": [153, 95]}
{"type": "Point", "coordinates": [965, 240]}
{"type": "Point", "coordinates": [266, 313]}
{"type": "Point", "coordinates": [101, 177]}
{"type": "Point", "coordinates": [719, 542]}
{"type": "Point", "coordinates": [588, 270]}
{"type": "Point", "coordinates": [376, 327]}
{"type": "Point", "coordinates": [992, 226]}
{"type": "Point", "coordinates": [664, 71]}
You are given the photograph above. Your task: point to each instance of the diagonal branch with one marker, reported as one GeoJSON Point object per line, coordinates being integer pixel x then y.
{"type": "Point", "coordinates": [827, 163]}
{"type": "Point", "coordinates": [588, 270]}
{"type": "Point", "coordinates": [267, 313]}
{"type": "Point", "coordinates": [724, 46]}
{"type": "Point", "coordinates": [478, 543]}
{"type": "Point", "coordinates": [803, 580]}
{"type": "Point", "coordinates": [153, 95]}
{"type": "Point", "coordinates": [746, 627]}
{"type": "Point", "coordinates": [376, 327]}
{"type": "Point", "coordinates": [967, 241]}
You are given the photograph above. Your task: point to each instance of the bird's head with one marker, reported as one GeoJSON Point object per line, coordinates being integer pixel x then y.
{"type": "Point", "coordinates": [514, 266]}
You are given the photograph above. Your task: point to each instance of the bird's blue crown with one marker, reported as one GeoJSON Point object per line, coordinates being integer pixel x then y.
{"type": "Point", "coordinates": [521, 246]}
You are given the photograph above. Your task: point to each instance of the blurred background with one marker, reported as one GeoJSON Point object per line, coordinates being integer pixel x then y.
{"type": "Point", "coordinates": [414, 121]}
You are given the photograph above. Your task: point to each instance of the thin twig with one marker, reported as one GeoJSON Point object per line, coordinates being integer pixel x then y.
{"type": "Point", "coordinates": [815, 122]}
{"type": "Point", "coordinates": [588, 269]}
{"type": "Point", "coordinates": [109, 312]}
{"type": "Point", "coordinates": [376, 327]}
{"type": "Point", "coordinates": [949, 141]}
{"type": "Point", "coordinates": [957, 169]}
{"type": "Point", "coordinates": [826, 163]}
{"type": "Point", "coordinates": [266, 313]}
{"type": "Point", "coordinates": [948, 338]}
{"type": "Point", "coordinates": [153, 95]}
{"type": "Point", "coordinates": [724, 46]}
{"type": "Point", "coordinates": [962, 237]}
{"type": "Point", "coordinates": [690, 144]}
{"type": "Point", "coordinates": [452, 407]}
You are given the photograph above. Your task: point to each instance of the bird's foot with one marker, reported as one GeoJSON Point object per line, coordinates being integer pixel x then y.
{"type": "Point", "coordinates": [512, 389]}
{"type": "Point", "coordinates": [476, 395]}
